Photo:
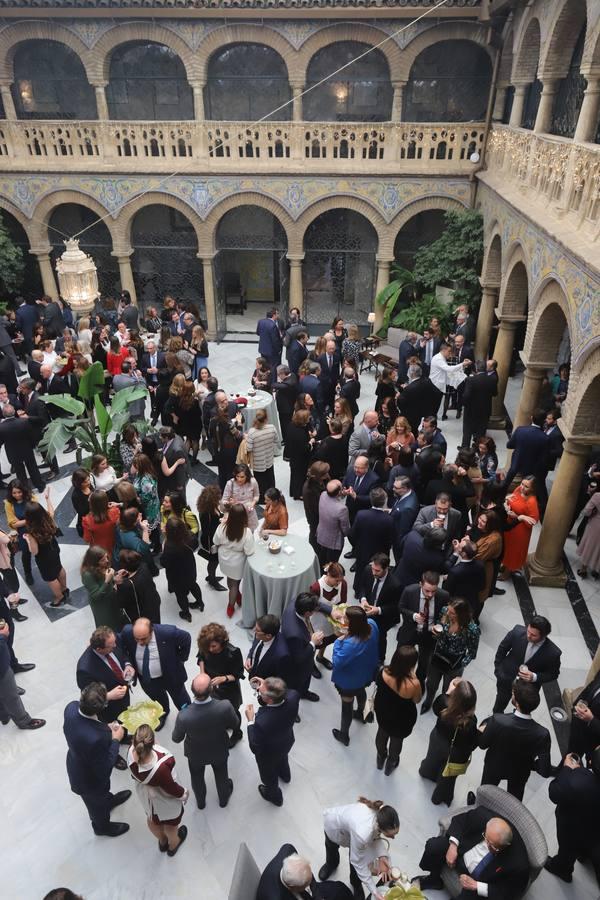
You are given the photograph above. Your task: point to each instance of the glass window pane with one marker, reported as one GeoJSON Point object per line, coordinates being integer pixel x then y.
{"type": "Point", "coordinates": [148, 82]}
{"type": "Point", "coordinates": [449, 82]}
{"type": "Point", "coordinates": [51, 83]}
{"type": "Point", "coordinates": [245, 82]}
{"type": "Point", "coordinates": [360, 93]}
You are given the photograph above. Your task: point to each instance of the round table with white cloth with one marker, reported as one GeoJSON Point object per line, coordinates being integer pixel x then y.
{"type": "Point", "coordinates": [266, 401]}
{"type": "Point", "coordinates": [272, 580]}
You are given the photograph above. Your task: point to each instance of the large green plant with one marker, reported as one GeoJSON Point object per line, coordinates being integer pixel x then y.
{"type": "Point", "coordinates": [456, 257]}
{"type": "Point", "coordinates": [403, 289]}
{"type": "Point", "coordinates": [418, 316]}
{"type": "Point", "coordinates": [12, 263]}
{"type": "Point", "coordinates": [92, 424]}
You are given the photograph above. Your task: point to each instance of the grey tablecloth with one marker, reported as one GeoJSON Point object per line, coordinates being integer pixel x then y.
{"type": "Point", "coordinates": [263, 400]}
{"type": "Point", "coordinates": [272, 580]}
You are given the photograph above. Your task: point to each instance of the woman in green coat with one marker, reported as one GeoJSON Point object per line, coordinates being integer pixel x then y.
{"type": "Point", "coordinates": [98, 580]}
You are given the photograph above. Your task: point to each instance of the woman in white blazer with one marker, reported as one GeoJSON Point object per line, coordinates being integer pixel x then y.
{"type": "Point", "coordinates": [362, 828]}
{"type": "Point", "coordinates": [234, 542]}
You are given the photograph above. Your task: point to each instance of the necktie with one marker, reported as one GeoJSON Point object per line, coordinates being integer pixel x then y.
{"type": "Point", "coordinates": [329, 361]}
{"type": "Point", "coordinates": [374, 591]}
{"type": "Point", "coordinates": [116, 668]}
{"type": "Point", "coordinates": [480, 867]}
{"type": "Point", "coordinates": [531, 648]}
{"type": "Point", "coordinates": [426, 613]}
{"type": "Point", "coordinates": [146, 664]}
{"type": "Point", "coordinates": [357, 484]}
{"type": "Point", "coordinates": [257, 653]}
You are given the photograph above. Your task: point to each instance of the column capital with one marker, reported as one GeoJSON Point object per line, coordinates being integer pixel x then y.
{"type": "Point", "coordinates": [197, 84]}
{"type": "Point", "coordinates": [122, 252]}
{"type": "Point", "coordinates": [40, 251]}
{"type": "Point", "coordinates": [399, 82]}
{"type": "Point", "coordinates": [99, 84]}
{"type": "Point", "coordinates": [487, 286]}
{"type": "Point", "coordinates": [297, 84]}
{"type": "Point", "coordinates": [536, 367]}
{"type": "Point", "coordinates": [572, 445]}
{"type": "Point", "coordinates": [206, 258]}
{"type": "Point", "coordinates": [295, 259]}
{"type": "Point", "coordinates": [384, 260]}
{"type": "Point", "coordinates": [508, 323]}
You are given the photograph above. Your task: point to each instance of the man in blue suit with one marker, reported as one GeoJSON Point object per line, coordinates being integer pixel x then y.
{"type": "Point", "coordinates": [297, 352]}
{"type": "Point", "coordinates": [531, 456]}
{"type": "Point", "coordinates": [158, 654]}
{"type": "Point", "coordinates": [26, 317]}
{"type": "Point", "coordinates": [103, 661]}
{"type": "Point", "coordinates": [358, 481]}
{"type": "Point", "coordinates": [301, 641]}
{"type": "Point", "coordinates": [371, 533]}
{"type": "Point", "coordinates": [271, 736]}
{"type": "Point", "coordinates": [405, 510]}
{"type": "Point", "coordinates": [269, 655]}
{"type": "Point", "coordinates": [270, 342]}
{"type": "Point", "coordinates": [93, 751]}
{"type": "Point", "coordinates": [408, 347]}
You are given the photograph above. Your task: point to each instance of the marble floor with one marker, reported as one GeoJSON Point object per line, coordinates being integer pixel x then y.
{"type": "Point", "coordinates": [46, 837]}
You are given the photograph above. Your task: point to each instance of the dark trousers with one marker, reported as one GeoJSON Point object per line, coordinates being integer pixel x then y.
{"type": "Point", "coordinates": [225, 463]}
{"type": "Point", "coordinates": [348, 707]}
{"type": "Point", "coordinates": [328, 554]}
{"type": "Point", "coordinates": [265, 480]}
{"type": "Point", "coordinates": [154, 410]}
{"type": "Point", "coordinates": [573, 844]}
{"type": "Point", "coordinates": [425, 646]}
{"type": "Point", "coordinates": [503, 695]}
{"type": "Point", "coordinates": [312, 540]}
{"type": "Point", "coordinates": [387, 745]}
{"type": "Point", "coordinates": [158, 689]}
{"type": "Point", "coordinates": [332, 861]}
{"type": "Point", "coordinates": [27, 459]}
{"type": "Point", "coordinates": [473, 428]}
{"type": "Point", "coordinates": [515, 782]}
{"type": "Point", "coordinates": [434, 676]}
{"type": "Point", "coordinates": [98, 805]}
{"type": "Point", "coordinates": [271, 769]}
{"type": "Point", "coordinates": [199, 785]}
{"type": "Point", "coordinates": [182, 597]}
{"type": "Point", "coordinates": [211, 568]}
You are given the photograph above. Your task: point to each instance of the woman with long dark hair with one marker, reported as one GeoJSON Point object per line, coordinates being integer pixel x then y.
{"type": "Point", "coordinates": [398, 692]}
{"type": "Point", "coordinates": [137, 595]}
{"type": "Point", "coordinates": [453, 738]}
{"type": "Point", "coordinates": [100, 524]}
{"type": "Point", "coordinates": [40, 535]}
{"type": "Point", "coordinates": [18, 495]}
{"type": "Point", "coordinates": [333, 449]}
{"type": "Point", "coordinates": [234, 542]}
{"type": "Point", "coordinates": [243, 488]}
{"type": "Point", "coordinates": [487, 536]}
{"type": "Point", "coordinates": [210, 514]}
{"type": "Point", "coordinates": [145, 484]}
{"type": "Point", "coordinates": [276, 519]}
{"type": "Point", "coordinates": [455, 647]}
{"type": "Point", "coordinates": [218, 658]}
{"type": "Point", "coordinates": [98, 580]}
{"type": "Point", "coordinates": [180, 567]}
{"type": "Point", "coordinates": [298, 446]}
{"type": "Point", "coordinates": [132, 533]}
{"type": "Point", "coordinates": [129, 446]}
{"type": "Point", "coordinates": [80, 496]}
{"type": "Point", "coordinates": [355, 660]}
{"type": "Point", "coordinates": [316, 479]}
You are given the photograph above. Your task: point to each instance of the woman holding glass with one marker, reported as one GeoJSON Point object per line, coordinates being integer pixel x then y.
{"type": "Point", "coordinates": [457, 640]}
{"type": "Point", "coordinates": [223, 662]}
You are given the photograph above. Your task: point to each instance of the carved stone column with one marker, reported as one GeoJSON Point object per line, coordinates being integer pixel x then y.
{"type": "Point", "coordinates": [101, 104]}
{"type": "Point", "coordinates": [7, 101]}
{"type": "Point", "coordinates": [198, 89]}
{"type": "Point", "coordinates": [213, 331]}
{"type": "Point", "coordinates": [46, 271]}
{"type": "Point", "coordinates": [587, 123]}
{"type": "Point", "coordinates": [516, 113]}
{"type": "Point", "coordinates": [397, 100]}
{"type": "Point", "coordinates": [543, 119]}
{"type": "Point", "coordinates": [545, 567]}
{"type": "Point", "coordinates": [503, 352]}
{"type": "Point", "coordinates": [297, 89]}
{"type": "Point", "coordinates": [383, 279]}
{"type": "Point", "coordinates": [296, 290]}
{"type": "Point", "coordinates": [499, 103]}
{"type": "Point", "coordinates": [485, 320]}
{"type": "Point", "coordinates": [123, 257]}
{"type": "Point", "coordinates": [532, 382]}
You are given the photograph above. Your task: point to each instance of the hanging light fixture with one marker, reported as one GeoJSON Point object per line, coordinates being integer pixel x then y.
{"type": "Point", "coordinates": [77, 278]}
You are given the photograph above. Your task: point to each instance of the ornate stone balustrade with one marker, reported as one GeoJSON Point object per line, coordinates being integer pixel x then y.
{"type": "Point", "coordinates": [559, 172]}
{"type": "Point", "coordinates": [278, 147]}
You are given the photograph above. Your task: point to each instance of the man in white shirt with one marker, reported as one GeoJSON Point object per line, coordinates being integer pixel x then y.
{"type": "Point", "coordinates": [442, 374]}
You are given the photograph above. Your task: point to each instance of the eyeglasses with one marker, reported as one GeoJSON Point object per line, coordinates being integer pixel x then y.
{"type": "Point", "coordinates": [492, 847]}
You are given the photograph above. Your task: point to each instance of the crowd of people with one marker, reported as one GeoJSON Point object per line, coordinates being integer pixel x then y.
{"type": "Point", "coordinates": [427, 533]}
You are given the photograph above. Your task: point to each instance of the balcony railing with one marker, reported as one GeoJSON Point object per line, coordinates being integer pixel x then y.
{"type": "Point", "coordinates": [564, 173]}
{"type": "Point", "coordinates": [383, 148]}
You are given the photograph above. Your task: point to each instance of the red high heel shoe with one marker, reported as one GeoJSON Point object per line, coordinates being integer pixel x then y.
{"type": "Point", "coordinates": [230, 610]}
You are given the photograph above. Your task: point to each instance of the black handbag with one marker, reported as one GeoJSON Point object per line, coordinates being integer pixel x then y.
{"type": "Point", "coordinates": [446, 662]}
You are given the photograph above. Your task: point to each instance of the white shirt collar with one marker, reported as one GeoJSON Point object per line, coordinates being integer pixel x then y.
{"type": "Point", "coordinates": [521, 715]}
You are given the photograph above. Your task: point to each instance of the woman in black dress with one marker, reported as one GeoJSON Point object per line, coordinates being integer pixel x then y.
{"type": "Point", "coordinates": [223, 662]}
{"type": "Point", "coordinates": [40, 535]}
{"type": "Point", "coordinates": [187, 418]}
{"type": "Point", "coordinates": [453, 738]}
{"type": "Point", "coordinates": [316, 480]}
{"type": "Point", "coordinates": [210, 515]}
{"type": "Point", "coordinates": [298, 446]}
{"type": "Point", "coordinates": [136, 591]}
{"type": "Point", "coordinates": [398, 692]}
{"type": "Point", "coordinates": [334, 449]}
{"type": "Point", "coordinates": [80, 497]}
{"type": "Point", "coordinates": [180, 567]}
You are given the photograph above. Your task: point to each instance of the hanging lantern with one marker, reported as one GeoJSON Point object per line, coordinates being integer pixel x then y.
{"type": "Point", "coordinates": [77, 278]}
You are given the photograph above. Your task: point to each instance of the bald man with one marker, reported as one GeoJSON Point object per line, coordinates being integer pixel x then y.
{"type": "Point", "coordinates": [489, 857]}
{"type": "Point", "coordinates": [204, 727]}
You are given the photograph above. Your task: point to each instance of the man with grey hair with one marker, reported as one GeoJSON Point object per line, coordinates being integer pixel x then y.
{"type": "Point", "coordinates": [271, 734]}
{"type": "Point", "coordinates": [289, 876]}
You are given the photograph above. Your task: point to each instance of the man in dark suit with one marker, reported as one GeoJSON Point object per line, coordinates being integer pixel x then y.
{"type": "Point", "coordinates": [525, 646]}
{"type": "Point", "coordinates": [289, 876]}
{"type": "Point", "coordinates": [53, 384]}
{"type": "Point", "coordinates": [422, 553]}
{"type": "Point", "coordinates": [52, 317]}
{"type": "Point", "coordinates": [358, 482]}
{"type": "Point", "coordinates": [17, 438]}
{"type": "Point", "coordinates": [440, 515]}
{"type": "Point", "coordinates": [419, 398]}
{"type": "Point", "coordinates": [379, 596]}
{"type": "Point", "coordinates": [271, 736]}
{"type": "Point", "coordinates": [466, 577]}
{"type": "Point", "coordinates": [301, 641]}
{"type": "Point", "coordinates": [103, 661]}
{"type": "Point", "coordinates": [204, 727]}
{"type": "Point", "coordinates": [158, 654]}
{"type": "Point", "coordinates": [408, 347]}
{"type": "Point", "coordinates": [530, 445]}
{"type": "Point", "coordinates": [286, 392]}
{"type": "Point", "coordinates": [372, 532]}
{"type": "Point", "coordinates": [477, 393]}
{"type": "Point", "coordinates": [93, 751]}
{"type": "Point", "coordinates": [529, 742]}
{"type": "Point", "coordinates": [455, 483]}
{"type": "Point", "coordinates": [269, 654]}
{"type": "Point", "coordinates": [429, 345]}
{"type": "Point", "coordinates": [404, 511]}
{"type": "Point", "coordinates": [555, 437]}
{"type": "Point", "coordinates": [576, 793]}
{"type": "Point", "coordinates": [297, 352]}
{"type": "Point", "coordinates": [584, 735]}
{"type": "Point", "coordinates": [152, 366]}
{"type": "Point", "coordinates": [330, 373]}
{"type": "Point", "coordinates": [26, 317]}
{"type": "Point", "coordinates": [489, 855]}
{"type": "Point", "coordinates": [311, 384]}
{"type": "Point", "coordinates": [270, 343]}
{"type": "Point", "coordinates": [420, 606]}
{"type": "Point", "coordinates": [35, 411]}
{"type": "Point", "coordinates": [350, 389]}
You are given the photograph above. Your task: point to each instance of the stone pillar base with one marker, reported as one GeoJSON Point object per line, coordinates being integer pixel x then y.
{"type": "Point", "coordinates": [498, 423]}
{"type": "Point", "coordinates": [537, 576]}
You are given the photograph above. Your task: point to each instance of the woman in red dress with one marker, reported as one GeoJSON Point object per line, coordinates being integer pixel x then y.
{"type": "Point", "coordinates": [153, 769]}
{"type": "Point", "coordinates": [523, 513]}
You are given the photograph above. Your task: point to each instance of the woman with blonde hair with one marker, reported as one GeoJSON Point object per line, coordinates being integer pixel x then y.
{"type": "Point", "coordinates": [352, 346]}
{"type": "Point", "coordinates": [162, 797]}
{"type": "Point", "coordinates": [186, 359]}
{"type": "Point", "coordinates": [261, 442]}
{"type": "Point", "coordinates": [399, 437]}
{"type": "Point", "coordinates": [199, 348]}
{"type": "Point", "coordinates": [319, 349]}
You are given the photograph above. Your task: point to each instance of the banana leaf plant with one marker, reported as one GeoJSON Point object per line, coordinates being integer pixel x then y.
{"type": "Point", "coordinates": [403, 289]}
{"type": "Point", "coordinates": [92, 423]}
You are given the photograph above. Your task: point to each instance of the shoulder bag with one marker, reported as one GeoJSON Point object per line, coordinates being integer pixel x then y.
{"type": "Point", "coordinates": [453, 769]}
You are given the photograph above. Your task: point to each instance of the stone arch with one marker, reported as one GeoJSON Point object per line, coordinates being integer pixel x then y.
{"type": "Point", "coordinates": [526, 54]}
{"type": "Point", "coordinates": [246, 34]}
{"type": "Point", "coordinates": [16, 34]}
{"type": "Point", "coordinates": [27, 225]}
{"type": "Point", "coordinates": [491, 271]}
{"type": "Point", "coordinates": [140, 31]}
{"type": "Point", "coordinates": [581, 408]}
{"type": "Point", "coordinates": [342, 201]}
{"type": "Point", "coordinates": [407, 212]}
{"type": "Point", "coordinates": [452, 31]}
{"type": "Point", "coordinates": [591, 52]}
{"type": "Point", "coordinates": [364, 34]}
{"type": "Point", "coordinates": [548, 316]}
{"type": "Point", "coordinates": [211, 223]}
{"type": "Point", "coordinates": [48, 204]}
{"type": "Point", "coordinates": [563, 32]}
{"type": "Point", "coordinates": [514, 291]}
{"type": "Point", "coordinates": [125, 218]}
